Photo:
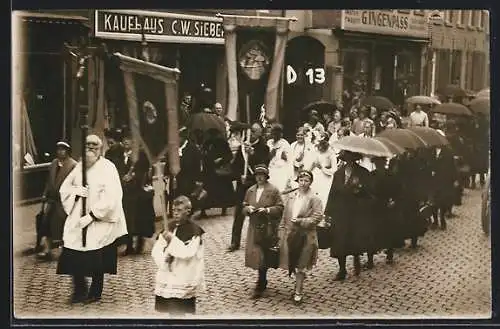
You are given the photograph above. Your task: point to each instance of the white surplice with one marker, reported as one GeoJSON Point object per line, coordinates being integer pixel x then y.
{"type": "Point", "coordinates": [323, 177]}
{"type": "Point", "coordinates": [280, 171]}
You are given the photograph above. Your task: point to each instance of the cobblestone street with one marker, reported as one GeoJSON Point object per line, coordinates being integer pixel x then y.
{"type": "Point", "coordinates": [449, 275]}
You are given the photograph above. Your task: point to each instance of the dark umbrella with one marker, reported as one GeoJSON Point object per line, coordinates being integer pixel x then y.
{"type": "Point", "coordinates": [452, 91]}
{"type": "Point", "coordinates": [379, 102]}
{"type": "Point", "coordinates": [404, 138]}
{"type": "Point", "coordinates": [205, 121]}
{"type": "Point", "coordinates": [480, 105]}
{"type": "Point", "coordinates": [320, 106]}
{"type": "Point", "coordinates": [452, 108]}
{"type": "Point", "coordinates": [431, 136]}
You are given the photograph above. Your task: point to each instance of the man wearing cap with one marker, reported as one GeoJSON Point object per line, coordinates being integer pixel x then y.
{"type": "Point", "coordinates": [51, 229]}
{"type": "Point", "coordinates": [256, 152]}
{"type": "Point", "coordinates": [89, 238]}
{"type": "Point", "coordinates": [264, 206]}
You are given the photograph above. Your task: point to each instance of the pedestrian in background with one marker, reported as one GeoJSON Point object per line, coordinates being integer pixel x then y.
{"type": "Point", "coordinates": [52, 226]}
{"type": "Point", "coordinates": [104, 220]}
{"type": "Point", "coordinates": [419, 118]}
{"type": "Point", "coordinates": [264, 206]}
{"type": "Point", "coordinates": [281, 163]}
{"type": "Point", "coordinates": [298, 238]}
{"type": "Point", "coordinates": [179, 256]}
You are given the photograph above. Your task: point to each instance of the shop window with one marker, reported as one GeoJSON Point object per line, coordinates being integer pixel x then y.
{"type": "Point", "coordinates": [356, 68]}
{"type": "Point", "coordinates": [460, 18]}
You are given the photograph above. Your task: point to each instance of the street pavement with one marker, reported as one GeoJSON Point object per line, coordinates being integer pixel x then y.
{"type": "Point", "coordinates": [448, 276]}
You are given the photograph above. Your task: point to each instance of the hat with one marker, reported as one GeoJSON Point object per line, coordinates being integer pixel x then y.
{"type": "Point", "coordinates": [348, 155]}
{"type": "Point", "coordinates": [261, 169]}
{"type": "Point", "coordinates": [305, 173]}
{"type": "Point", "coordinates": [63, 144]}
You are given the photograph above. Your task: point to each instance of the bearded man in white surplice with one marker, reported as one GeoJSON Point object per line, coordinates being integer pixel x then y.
{"type": "Point", "coordinates": [104, 221]}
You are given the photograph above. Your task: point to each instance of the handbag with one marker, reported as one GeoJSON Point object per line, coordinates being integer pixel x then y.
{"type": "Point", "coordinates": [272, 257]}
{"type": "Point", "coordinates": [323, 231]}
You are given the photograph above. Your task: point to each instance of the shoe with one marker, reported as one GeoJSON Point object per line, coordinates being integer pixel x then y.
{"type": "Point", "coordinates": [433, 226]}
{"type": "Point", "coordinates": [232, 248]}
{"type": "Point", "coordinates": [340, 276]}
{"type": "Point", "coordinates": [369, 265]}
{"type": "Point", "coordinates": [91, 299]}
{"type": "Point", "coordinates": [259, 290]}
{"type": "Point", "coordinates": [77, 299]}
{"type": "Point", "coordinates": [45, 256]}
{"type": "Point", "coordinates": [357, 268]}
{"type": "Point", "coordinates": [297, 299]}
{"type": "Point", "coordinates": [443, 227]}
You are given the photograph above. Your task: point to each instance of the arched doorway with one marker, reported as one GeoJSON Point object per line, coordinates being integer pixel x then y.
{"type": "Point", "coordinates": [302, 53]}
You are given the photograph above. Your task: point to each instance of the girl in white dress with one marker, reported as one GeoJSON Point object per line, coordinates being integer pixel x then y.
{"type": "Point", "coordinates": [323, 167]}
{"type": "Point", "coordinates": [281, 164]}
{"type": "Point", "coordinates": [302, 152]}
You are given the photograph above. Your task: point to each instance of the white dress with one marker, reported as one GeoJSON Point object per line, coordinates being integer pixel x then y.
{"type": "Point", "coordinates": [323, 177]}
{"type": "Point", "coordinates": [302, 156]}
{"type": "Point", "coordinates": [280, 170]}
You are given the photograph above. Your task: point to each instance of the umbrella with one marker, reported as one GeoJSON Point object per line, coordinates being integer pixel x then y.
{"type": "Point", "coordinates": [452, 91]}
{"type": "Point", "coordinates": [480, 105]}
{"type": "Point", "coordinates": [206, 121]}
{"type": "Point", "coordinates": [404, 138]}
{"type": "Point", "coordinates": [431, 136]}
{"type": "Point", "coordinates": [379, 102]}
{"type": "Point", "coordinates": [320, 106]}
{"type": "Point", "coordinates": [424, 100]}
{"type": "Point", "coordinates": [485, 93]}
{"type": "Point", "coordinates": [363, 145]}
{"type": "Point", "coordinates": [393, 147]}
{"type": "Point", "coordinates": [452, 108]}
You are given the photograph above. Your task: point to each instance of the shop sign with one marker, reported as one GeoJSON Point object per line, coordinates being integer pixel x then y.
{"type": "Point", "coordinates": [388, 22]}
{"type": "Point", "coordinates": [158, 26]}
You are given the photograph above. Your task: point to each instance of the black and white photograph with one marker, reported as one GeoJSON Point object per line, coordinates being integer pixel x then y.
{"type": "Point", "coordinates": [251, 164]}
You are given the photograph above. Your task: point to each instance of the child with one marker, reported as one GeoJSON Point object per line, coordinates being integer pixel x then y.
{"type": "Point", "coordinates": [178, 253]}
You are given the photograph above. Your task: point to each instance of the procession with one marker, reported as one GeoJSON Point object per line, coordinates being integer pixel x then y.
{"type": "Point", "coordinates": [347, 187]}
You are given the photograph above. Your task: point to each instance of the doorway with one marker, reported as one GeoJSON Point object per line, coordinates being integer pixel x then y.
{"type": "Point", "coordinates": [383, 71]}
{"type": "Point", "coordinates": [302, 53]}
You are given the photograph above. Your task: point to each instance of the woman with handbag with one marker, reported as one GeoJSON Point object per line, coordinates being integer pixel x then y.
{"type": "Point", "coordinates": [298, 237]}
{"type": "Point", "coordinates": [264, 206]}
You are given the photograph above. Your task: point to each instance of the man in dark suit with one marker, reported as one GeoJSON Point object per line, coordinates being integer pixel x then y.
{"type": "Point", "coordinates": [257, 153]}
{"type": "Point", "coordinates": [445, 176]}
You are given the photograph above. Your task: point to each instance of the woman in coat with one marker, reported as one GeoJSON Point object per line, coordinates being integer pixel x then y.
{"type": "Point", "coordinates": [264, 206]}
{"type": "Point", "coordinates": [298, 237]}
{"type": "Point", "coordinates": [350, 205]}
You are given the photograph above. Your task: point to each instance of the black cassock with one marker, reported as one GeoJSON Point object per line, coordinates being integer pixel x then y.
{"type": "Point", "coordinates": [218, 186]}
{"type": "Point", "coordinates": [445, 175]}
{"type": "Point", "coordinates": [191, 163]}
{"type": "Point", "coordinates": [350, 205]}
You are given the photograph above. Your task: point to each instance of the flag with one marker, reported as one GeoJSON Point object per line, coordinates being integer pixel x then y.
{"type": "Point", "coordinates": [255, 54]}
{"type": "Point", "coordinates": [151, 91]}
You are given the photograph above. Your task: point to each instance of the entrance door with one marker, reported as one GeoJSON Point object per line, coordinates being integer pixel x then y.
{"type": "Point", "coordinates": [302, 53]}
{"type": "Point", "coordinates": [383, 72]}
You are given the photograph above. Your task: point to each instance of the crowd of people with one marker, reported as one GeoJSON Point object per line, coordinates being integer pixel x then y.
{"type": "Point", "coordinates": [299, 196]}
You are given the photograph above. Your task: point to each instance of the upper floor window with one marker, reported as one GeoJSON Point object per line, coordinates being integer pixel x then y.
{"type": "Point", "coordinates": [448, 16]}
{"type": "Point", "coordinates": [460, 17]}
{"type": "Point", "coordinates": [471, 18]}
{"type": "Point", "coordinates": [480, 19]}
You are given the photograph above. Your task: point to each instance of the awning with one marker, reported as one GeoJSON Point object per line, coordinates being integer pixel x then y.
{"type": "Point", "coordinates": [51, 18]}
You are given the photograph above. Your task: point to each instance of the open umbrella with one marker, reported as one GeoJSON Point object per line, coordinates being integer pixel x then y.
{"type": "Point", "coordinates": [423, 100]}
{"type": "Point", "coordinates": [363, 145]}
{"type": "Point", "coordinates": [393, 147]}
{"type": "Point", "coordinates": [480, 105]}
{"type": "Point", "coordinates": [379, 102]}
{"type": "Point", "coordinates": [404, 138]}
{"type": "Point", "coordinates": [205, 121]}
{"type": "Point", "coordinates": [452, 91]}
{"type": "Point", "coordinates": [320, 106]}
{"type": "Point", "coordinates": [453, 109]}
{"type": "Point", "coordinates": [485, 93]}
{"type": "Point", "coordinates": [431, 136]}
